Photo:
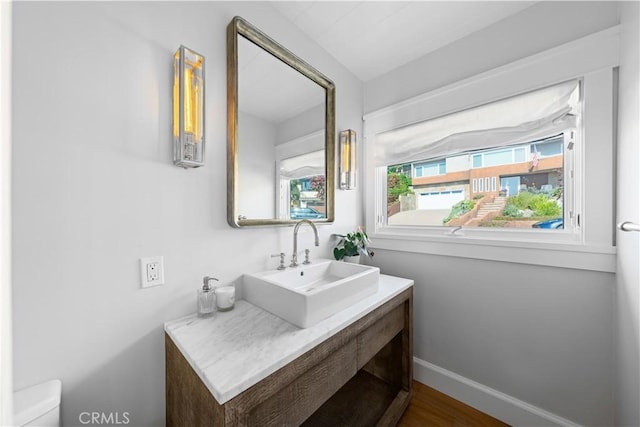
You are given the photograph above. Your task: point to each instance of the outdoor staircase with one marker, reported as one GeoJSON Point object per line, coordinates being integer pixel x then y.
{"type": "Point", "coordinates": [494, 208]}
{"type": "Point", "coordinates": [497, 205]}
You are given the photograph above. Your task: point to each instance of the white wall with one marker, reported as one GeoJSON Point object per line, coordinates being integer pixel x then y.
{"type": "Point", "coordinates": [538, 28]}
{"type": "Point", "coordinates": [538, 334]}
{"type": "Point", "coordinates": [94, 189]}
{"type": "Point", "coordinates": [256, 167]}
{"type": "Point", "coordinates": [628, 269]}
{"type": "Point", "coordinates": [6, 353]}
{"type": "Point", "coordinates": [542, 336]}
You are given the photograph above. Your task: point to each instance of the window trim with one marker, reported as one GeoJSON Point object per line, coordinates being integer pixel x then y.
{"type": "Point", "coordinates": [591, 58]}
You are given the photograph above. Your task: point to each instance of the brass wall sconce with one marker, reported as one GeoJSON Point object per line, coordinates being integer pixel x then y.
{"type": "Point", "coordinates": [188, 108]}
{"type": "Point", "coordinates": [347, 167]}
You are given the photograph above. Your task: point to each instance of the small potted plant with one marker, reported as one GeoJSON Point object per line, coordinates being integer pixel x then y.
{"type": "Point", "coordinates": [351, 246]}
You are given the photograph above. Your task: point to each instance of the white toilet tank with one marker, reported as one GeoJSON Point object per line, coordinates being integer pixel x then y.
{"type": "Point", "coordinates": [38, 405]}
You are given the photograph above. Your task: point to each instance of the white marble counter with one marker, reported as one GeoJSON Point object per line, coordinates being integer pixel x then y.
{"type": "Point", "coordinates": [234, 350]}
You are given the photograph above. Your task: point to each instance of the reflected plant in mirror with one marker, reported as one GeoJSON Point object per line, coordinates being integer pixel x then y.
{"type": "Point", "coordinates": [281, 133]}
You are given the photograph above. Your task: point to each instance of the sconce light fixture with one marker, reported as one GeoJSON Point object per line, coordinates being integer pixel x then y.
{"type": "Point", "coordinates": [188, 108]}
{"type": "Point", "coordinates": [347, 159]}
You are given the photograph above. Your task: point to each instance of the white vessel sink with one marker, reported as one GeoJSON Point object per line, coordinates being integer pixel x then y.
{"type": "Point", "coordinates": [307, 294]}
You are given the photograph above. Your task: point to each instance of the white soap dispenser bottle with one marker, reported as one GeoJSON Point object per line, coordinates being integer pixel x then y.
{"type": "Point", "coordinates": [206, 297]}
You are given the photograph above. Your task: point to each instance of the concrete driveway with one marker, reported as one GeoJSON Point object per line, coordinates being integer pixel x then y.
{"type": "Point", "coordinates": [419, 217]}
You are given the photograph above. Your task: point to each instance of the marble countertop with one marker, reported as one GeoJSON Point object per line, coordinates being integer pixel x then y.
{"type": "Point", "coordinates": [234, 350]}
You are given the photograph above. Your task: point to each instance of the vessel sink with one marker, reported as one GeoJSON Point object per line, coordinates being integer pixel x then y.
{"type": "Point", "coordinates": [307, 294]}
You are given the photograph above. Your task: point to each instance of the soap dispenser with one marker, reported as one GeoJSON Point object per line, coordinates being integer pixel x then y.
{"type": "Point", "coordinates": [206, 297]}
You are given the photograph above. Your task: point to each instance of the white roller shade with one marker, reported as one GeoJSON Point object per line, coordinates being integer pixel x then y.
{"type": "Point", "coordinates": [305, 165]}
{"type": "Point", "coordinates": [510, 121]}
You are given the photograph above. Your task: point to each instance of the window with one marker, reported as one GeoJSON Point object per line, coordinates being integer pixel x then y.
{"type": "Point", "coordinates": [531, 193]}
{"type": "Point", "coordinates": [528, 161]}
{"type": "Point", "coordinates": [429, 169]}
{"type": "Point", "coordinates": [501, 157]}
{"type": "Point", "coordinates": [302, 186]}
{"type": "Point", "coordinates": [498, 158]}
{"type": "Point", "coordinates": [586, 175]}
{"type": "Point", "coordinates": [548, 149]}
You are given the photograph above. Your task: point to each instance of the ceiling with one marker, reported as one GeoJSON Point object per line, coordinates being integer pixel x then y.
{"type": "Point", "coordinates": [371, 38]}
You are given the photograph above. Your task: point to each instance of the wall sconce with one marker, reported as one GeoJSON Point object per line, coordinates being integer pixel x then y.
{"type": "Point", "coordinates": [347, 159]}
{"type": "Point", "coordinates": [188, 108]}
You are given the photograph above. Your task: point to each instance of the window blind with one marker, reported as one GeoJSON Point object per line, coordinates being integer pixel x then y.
{"type": "Point", "coordinates": [302, 166]}
{"type": "Point", "coordinates": [529, 116]}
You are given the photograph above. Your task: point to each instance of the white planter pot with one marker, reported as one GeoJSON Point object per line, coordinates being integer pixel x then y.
{"type": "Point", "coordinates": [353, 259]}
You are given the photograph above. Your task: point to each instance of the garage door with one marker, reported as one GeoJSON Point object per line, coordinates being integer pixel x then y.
{"type": "Point", "coordinates": [440, 199]}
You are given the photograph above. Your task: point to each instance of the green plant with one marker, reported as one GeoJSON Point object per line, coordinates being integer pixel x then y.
{"type": "Point", "coordinates": [541, 204]}
{"type": "Point", "coordinates": [459, 209]}
{"type": "Point", "coordinates": [521, 200]}
{"type": "Point", "coordinates": [295, 192]}
{"type": "Point", "coordinates": [318, 183]}
{"type": "Point", "coordinates": [398, 184]}
{"type": "Point", "coordinates": [557, 192]}
{"type": "Point", "coordinates": [511, 210]}
{"type": "Point", "coordinates": [353, 244]}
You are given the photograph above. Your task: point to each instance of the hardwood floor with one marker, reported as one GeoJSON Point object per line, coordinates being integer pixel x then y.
{"type": "Point", "coordinates": [430, 408]}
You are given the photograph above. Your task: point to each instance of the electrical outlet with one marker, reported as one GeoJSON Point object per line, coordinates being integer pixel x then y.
{"type": "Point", "coordinates": [151, 271]}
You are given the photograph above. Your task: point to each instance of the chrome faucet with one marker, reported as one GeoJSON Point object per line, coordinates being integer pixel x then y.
{"type": "Point", "coordinates": [294, 256]}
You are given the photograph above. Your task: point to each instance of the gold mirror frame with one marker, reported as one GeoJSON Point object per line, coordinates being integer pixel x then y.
{"type": "Point", "coordinates": [239, 27]}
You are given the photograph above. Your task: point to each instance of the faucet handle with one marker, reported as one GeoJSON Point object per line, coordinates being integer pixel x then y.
{"type": "Point", "coordinates": [306, 256]}
{"type": "Point", "coordinates": [294, 259]}
{"type": "Point", "coordinates": [281, 255]}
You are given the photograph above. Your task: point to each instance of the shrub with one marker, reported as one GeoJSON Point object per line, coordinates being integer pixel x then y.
{"type": "Point", "coordinates": [398, 184]}
{"type": "Point", "coordinates": [511, 211]}
{"type": "Point", "coordinates": [540, 204]}
{"type": "Point", "coordinates": [557, 192]}
{"type": "Point", "coordinates": [521, 200]}
{"type": "Point", "coordinates": [459, 209]}
{"type": "Point", "coordinates": [543, 206]}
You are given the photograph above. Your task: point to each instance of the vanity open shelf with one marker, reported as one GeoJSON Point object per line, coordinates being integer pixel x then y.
{"type": "Point", "coordinates": [352, 369]}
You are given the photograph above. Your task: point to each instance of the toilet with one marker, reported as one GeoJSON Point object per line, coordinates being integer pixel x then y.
{"type": "Point", "coordinates": [38, 405]}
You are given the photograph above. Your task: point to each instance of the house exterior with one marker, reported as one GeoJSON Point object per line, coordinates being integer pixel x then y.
{"type": "Point", "coordinates": [440, 183]}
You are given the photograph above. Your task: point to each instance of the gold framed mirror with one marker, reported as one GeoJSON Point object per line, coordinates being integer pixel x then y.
{"type": "Point", "coordinates": [280, 133]}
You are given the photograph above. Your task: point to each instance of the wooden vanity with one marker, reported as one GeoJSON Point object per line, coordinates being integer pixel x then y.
{"type": "Point", "coordinates": [250, 368]}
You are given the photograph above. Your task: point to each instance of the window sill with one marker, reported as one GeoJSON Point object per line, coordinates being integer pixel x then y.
{"type": "Point", "coordinates": [563, 255]}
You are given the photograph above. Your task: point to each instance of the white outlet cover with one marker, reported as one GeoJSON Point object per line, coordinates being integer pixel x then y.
{"type": "Point", "coordinates": [144, 262]}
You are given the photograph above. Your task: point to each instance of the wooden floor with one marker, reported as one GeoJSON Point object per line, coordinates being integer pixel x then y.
{"type": "Point", "coordinates": [430, 408]}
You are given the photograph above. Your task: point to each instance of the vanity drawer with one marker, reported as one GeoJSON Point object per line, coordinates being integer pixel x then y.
{"type": "Point", "coordinates": [294, 403]}
{"type": "Point", "coordinates": [374, 338]}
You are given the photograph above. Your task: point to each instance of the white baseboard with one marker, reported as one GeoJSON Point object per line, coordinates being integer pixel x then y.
{"type": "Point", "coordinates": [492, 402]}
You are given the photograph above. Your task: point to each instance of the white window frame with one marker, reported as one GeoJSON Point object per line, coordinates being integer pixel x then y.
{"type": "Point", "coordinates": [589, 245]}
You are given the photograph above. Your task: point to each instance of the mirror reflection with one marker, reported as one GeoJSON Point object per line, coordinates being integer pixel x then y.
{"type": "Point", "coordinates": [280, 171]}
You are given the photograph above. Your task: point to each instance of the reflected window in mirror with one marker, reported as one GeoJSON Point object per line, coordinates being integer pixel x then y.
{"type": "Point", "coordinates": [281, 133]}
{"type": "Point", "coordinates": [302, 187]}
